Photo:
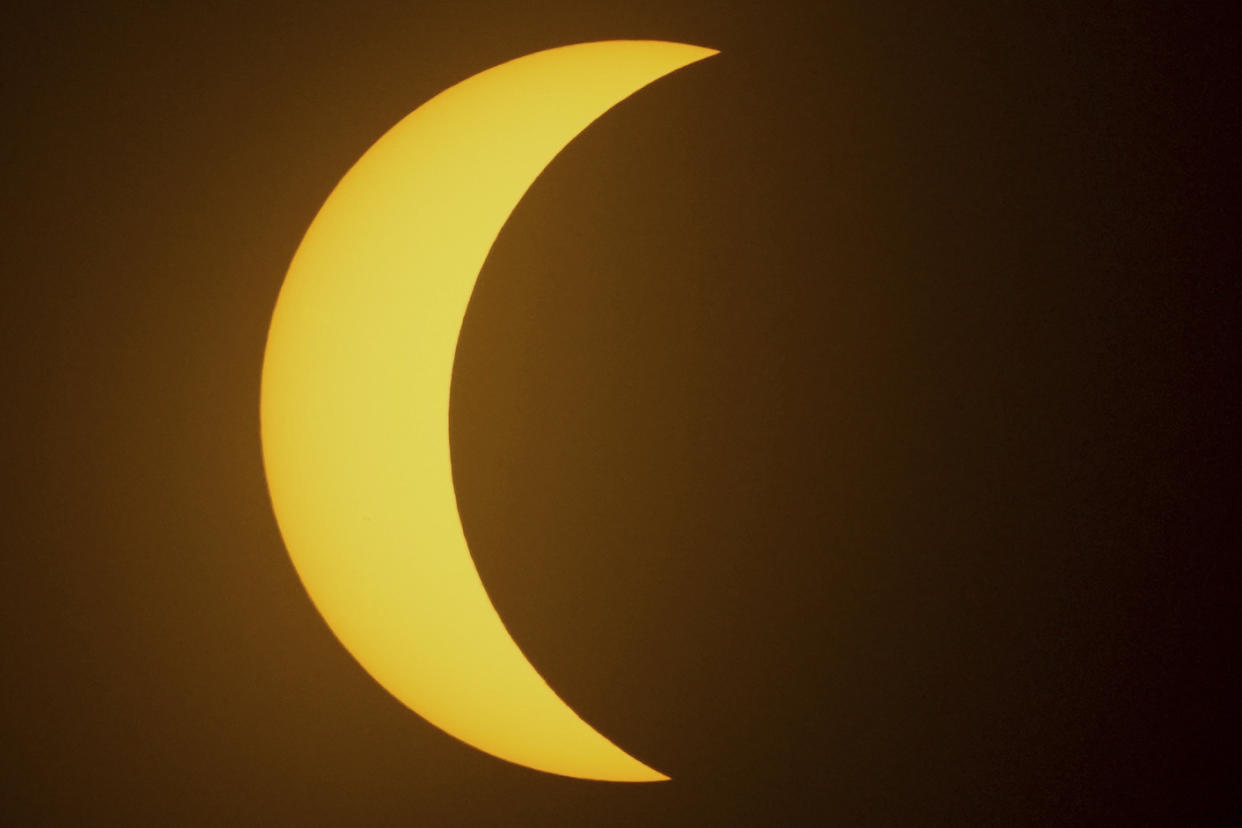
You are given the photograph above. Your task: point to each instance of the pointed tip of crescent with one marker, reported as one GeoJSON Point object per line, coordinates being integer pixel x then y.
{"type": "Point", "coordinates": [687, 53]}
{"type": "Point", "coordinates": [647, 775]}
{"type": "Point", "coordinates": [653, 775]}
{"type": "Point", "coordinates": [624, 768]}
{"type": "Point", "coordinates": [700, 52]}
{"type": "Point", "coordinates": [695, 52]}
{"type": "Point", "coordinates": [632, 770]}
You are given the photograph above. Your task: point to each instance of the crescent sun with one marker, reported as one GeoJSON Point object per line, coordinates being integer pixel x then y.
{"type": "Point", "coordinates": [355, 397]}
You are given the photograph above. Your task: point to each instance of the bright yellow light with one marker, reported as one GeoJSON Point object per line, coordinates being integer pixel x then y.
{"type": "Point", "coordinates": [356, 392]}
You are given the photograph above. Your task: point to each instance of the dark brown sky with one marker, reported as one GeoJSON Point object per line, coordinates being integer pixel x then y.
{"type": "Point", "coordinates": [836, 425]}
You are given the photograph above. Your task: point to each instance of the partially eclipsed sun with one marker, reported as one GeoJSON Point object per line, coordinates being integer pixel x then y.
{"type": "Point", "coordinates": [355, 397]}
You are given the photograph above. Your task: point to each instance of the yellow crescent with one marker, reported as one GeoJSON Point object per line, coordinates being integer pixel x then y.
{"type": "Point", "coordinates": [355, 397]}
